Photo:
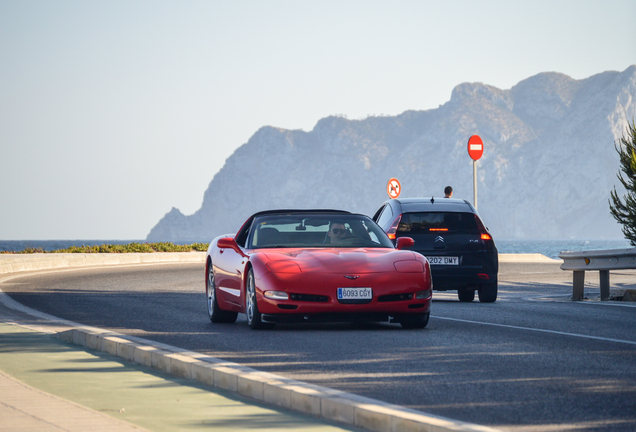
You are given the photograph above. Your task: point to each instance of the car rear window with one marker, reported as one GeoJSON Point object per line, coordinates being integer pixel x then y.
{"type": "Point", "coordinates": [430, 222]}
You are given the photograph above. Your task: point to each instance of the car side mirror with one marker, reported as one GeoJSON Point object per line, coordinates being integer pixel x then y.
{"type": "Point", "coordinates": [404, 242]}
{"type": "Point", "coordinates": [229, 243]}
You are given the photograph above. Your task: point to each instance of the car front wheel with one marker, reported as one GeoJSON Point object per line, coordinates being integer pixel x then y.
{"type": "Point", "coordinates": [254, 317]}
{"type": "Point", "coordinates": [414, 321]}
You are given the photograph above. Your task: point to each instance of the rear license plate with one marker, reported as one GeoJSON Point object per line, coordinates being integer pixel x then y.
{"type": "Point", "coordinates": [355, 293]}
{"type": "Point", "coordinates": [443, 260]}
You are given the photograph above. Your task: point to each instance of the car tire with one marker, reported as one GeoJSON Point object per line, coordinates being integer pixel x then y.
{"type": "Point", "coordinates": [466, 295]}
{"type": "Point", "coordinates": [414, 321]}
{"type": "Point", "coordinates": [216, 314]}
{"type": "Point", "coordinates": [488, 293]}
{"type": "Point", "coordinates": [254, 317]}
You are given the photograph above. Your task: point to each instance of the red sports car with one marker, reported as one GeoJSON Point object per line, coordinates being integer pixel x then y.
{"type": "Point", "coordinates": [315, 265]}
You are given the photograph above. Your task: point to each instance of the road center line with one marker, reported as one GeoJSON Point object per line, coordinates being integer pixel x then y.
{"type": "Point", "coordinates": [537, 330]}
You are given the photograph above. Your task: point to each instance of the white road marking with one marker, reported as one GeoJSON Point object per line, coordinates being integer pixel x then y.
{"type": "Point", "coordinates": [538, 330]}
{"type": "Point", "coordinates": [595, 302]}
{"type": "Point", "coordinates": [534, 273]}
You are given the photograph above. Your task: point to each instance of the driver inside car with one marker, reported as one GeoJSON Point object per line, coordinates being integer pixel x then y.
{"type": "Point", "coordinates": [337, 232]}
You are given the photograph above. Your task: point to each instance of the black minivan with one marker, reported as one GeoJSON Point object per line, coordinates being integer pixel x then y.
{"type": "Point", "coordinates": [450, 234]}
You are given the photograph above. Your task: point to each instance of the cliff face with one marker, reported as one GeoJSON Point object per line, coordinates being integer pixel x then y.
{"type": "Point", "coordinates": [548, 166]}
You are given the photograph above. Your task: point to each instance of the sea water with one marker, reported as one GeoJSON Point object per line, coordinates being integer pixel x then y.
{"type": "Point", "coordinates": [552, 247]}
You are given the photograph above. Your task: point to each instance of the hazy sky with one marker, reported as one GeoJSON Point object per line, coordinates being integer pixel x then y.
{"type": "Point", "coordinates": [113, 112]}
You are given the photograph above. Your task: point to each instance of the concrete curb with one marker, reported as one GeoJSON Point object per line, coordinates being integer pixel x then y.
{"type": "Point", "coordinates": [526, 257]}
{"type": "Point", "coordinates": [264, 387]}
{"type": "Point", "coordinates": [15, 263]}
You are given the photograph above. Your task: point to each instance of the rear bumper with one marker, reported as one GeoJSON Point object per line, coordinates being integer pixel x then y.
{"type": "Point", "coordinates": [444, 280]}
{"type": "Point", "coordinates": [473, 270]}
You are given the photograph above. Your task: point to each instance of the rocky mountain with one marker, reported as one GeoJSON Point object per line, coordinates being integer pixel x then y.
{"type": "Point", "coordinates": [548, 166]}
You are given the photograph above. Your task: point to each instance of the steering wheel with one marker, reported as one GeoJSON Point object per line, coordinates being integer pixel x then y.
{"type": "Point", "coordinates": [351, 240]}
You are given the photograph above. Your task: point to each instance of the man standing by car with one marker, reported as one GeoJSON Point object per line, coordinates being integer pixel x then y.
{"type": "Point", "coordinates": [448, 192]}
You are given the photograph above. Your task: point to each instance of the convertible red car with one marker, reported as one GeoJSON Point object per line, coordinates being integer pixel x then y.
{"type": "Point", "coordinates": [289, 266]}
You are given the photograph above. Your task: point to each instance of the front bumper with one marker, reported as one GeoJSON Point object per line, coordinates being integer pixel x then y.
{"type": "Point", "coordinates": [334, 317]}
{"type": "Point", "coordinates": [393, 294]}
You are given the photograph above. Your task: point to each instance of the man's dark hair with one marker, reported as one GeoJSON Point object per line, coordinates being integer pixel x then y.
{"type": "Point", "coordinates": [448, 190]}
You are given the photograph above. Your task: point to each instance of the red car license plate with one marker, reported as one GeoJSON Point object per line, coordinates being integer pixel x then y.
{"type": "Point", "coordinates": [355, 293]}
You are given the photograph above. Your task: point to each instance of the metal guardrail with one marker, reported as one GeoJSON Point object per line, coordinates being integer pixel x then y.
{"type": "Point", "coordinates": [600, 260]}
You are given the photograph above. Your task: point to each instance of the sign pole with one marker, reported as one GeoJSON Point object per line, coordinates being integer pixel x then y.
{"type": "Point", "coordinates": [475, 183]}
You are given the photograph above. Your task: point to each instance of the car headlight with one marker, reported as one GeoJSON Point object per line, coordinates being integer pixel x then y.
{"type": "Point", "coordinates": [421, 295]}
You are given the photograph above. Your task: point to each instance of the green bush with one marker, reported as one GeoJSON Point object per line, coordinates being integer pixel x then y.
{"type": "Point", "coordinates": [624, 210]}
{"type": "Point", "coordinates": [127, 248]}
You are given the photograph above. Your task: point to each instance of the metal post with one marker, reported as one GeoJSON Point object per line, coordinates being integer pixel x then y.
{"type": "Point", "coordinates": [578, 285]}
{"type": "Point", "coordinates": [475, 183]}
{"type": "Point", "coordinates": [605, 284]}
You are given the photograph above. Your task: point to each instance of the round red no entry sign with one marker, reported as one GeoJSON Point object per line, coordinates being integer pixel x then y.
{"type": "Point", "coordinates": [475, 147]}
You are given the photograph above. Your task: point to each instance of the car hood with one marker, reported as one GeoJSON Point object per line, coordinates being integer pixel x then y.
{"type": "Point", "coordinates": [359, 261]}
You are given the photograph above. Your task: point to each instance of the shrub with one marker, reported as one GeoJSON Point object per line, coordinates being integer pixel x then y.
{"type": "Point", "coordinates": [127, 248]}
{"type": "Point", "coordinates": [625, 211]}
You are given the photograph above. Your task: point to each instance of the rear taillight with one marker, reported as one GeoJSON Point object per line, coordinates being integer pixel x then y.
{"type": "Point", "coordinates": [483, 233]}
{"type": "Point", "coordinates": [392, 232]}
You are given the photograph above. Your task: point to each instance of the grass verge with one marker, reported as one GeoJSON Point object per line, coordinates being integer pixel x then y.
{"type": "Point", "coordinates": [127, 248]}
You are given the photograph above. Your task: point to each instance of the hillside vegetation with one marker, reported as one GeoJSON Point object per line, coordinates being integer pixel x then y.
{"type": "Point", "coordinates": [127, 248]}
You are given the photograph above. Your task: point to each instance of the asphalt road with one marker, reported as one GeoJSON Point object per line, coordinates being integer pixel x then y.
{"type": "Point", "coordinates": [532, 361]}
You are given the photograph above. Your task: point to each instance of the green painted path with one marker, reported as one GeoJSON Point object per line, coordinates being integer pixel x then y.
{"type": "Point", "coordinates": [47, 384]}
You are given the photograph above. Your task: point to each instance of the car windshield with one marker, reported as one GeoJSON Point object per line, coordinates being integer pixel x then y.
{"type": "Point", "coordinates": [431, 222]}
{"type": "Point", "coordinates": [316, 230]}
